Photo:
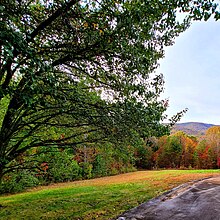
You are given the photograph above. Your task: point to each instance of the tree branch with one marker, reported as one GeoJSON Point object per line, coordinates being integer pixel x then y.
{"type": "Point", "coordinates": [53, 17]}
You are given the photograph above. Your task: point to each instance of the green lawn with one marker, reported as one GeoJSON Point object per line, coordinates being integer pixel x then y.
{"type": "Point", "coordinates": [101, 198]}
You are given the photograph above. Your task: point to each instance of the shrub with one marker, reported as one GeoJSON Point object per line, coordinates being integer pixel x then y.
{"type": "Point", "coordinates": [18, 181]}
{"type": "Point", "coordinates": [86, 170]}
{"type": "Point", "coordinates": [99, 167]}
{"type": "Point", "coordinates": [62, 167]}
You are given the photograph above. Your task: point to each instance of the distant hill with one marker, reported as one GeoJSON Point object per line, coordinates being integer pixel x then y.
{"type": "Point", "coordinates": [192, 128]}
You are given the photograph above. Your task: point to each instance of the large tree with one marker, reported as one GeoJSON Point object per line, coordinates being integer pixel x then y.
{"type": "Point", "coordinates": [79, 71]}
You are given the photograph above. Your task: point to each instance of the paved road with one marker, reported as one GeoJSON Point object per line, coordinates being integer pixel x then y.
{"type": "Point", "coordinates": [196, 201]}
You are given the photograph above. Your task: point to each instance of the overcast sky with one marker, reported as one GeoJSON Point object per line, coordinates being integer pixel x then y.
{"type": "Point", "coordinates": [191, 69]}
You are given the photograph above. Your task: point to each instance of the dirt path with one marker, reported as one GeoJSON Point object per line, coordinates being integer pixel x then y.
{"type": "Point", "coordinates": [192, 201]}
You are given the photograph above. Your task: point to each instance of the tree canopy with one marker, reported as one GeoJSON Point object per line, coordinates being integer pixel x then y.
{"type": "Point", "coordinates": [80, 71]}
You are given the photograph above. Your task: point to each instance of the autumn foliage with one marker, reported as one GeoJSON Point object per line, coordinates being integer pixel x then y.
{"type": "Point", "coordinates": [175, 151]}
{"type": "Point", "coordinates": [180, 150]}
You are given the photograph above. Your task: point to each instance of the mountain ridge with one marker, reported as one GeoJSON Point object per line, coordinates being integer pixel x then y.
{"type": "Point", "coordinates": [192, 128]}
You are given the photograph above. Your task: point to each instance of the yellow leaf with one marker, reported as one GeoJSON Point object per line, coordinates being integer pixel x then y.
{"type": "Point", "coordinates": [86, 25]}
{"type": "Point", "coordinates": [95, 25]}
{"type": "Point", "coordinates": [101, 32]}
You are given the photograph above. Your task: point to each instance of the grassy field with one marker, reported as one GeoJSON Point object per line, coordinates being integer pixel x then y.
{"type": "Point", "coordinates": [101, 198]}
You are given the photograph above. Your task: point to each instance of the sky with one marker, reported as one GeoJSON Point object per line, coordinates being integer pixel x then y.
{"type": "Point", "coordinates": [191, 70]}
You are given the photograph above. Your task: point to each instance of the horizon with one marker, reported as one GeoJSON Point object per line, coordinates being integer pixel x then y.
{"type": "Point", "coordinates": [197, 123]}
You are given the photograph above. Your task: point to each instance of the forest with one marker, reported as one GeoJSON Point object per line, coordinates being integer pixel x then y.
{"type": "Point", "coordinates": [79, 93]}
{"type": "Point", "coordinates": [175, 151]}
{"type": "Point", "coordinates": [183, 151]}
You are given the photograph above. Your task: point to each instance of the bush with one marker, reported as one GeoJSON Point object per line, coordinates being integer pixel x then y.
{"type": "Point", "coordinates": [99, 167]}
{"type": "Point", "coordinates": [62, 168]}
{"type": "Point", "coordinates": [18, 181]}
{"type": "Point", "coordinates": [86, 170]}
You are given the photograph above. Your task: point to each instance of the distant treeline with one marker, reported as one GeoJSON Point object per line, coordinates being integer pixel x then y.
{"type": "Point", "coordinates": [180, 150]}
{"type": "Point", "coordinates": [176, 151]}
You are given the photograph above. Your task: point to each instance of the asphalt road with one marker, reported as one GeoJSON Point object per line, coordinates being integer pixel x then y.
{"type": "Point", "coordinates": [192, 201]}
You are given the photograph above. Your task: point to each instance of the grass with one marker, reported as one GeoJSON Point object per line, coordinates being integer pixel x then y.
{"type": "Point", "coordinates": [102, 198]}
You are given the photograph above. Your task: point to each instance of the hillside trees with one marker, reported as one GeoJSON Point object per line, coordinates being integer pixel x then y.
{"type": "Point", "coordinates": [180, 150]}
{"type": "Point", "coordinates": [74, 72]}
{"type": "Point", "coordinates": [169, 152]}
{"type": "Point", "coordinates": [213, 138]}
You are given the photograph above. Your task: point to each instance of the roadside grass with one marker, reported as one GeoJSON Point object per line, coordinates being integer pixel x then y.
{"type": "Point", "coordinates": [102, 198]}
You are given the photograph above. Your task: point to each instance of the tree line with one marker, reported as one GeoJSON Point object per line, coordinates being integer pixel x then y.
{"type": "Point", "coordinates": [180, 150]}
{"type": "Point", "coordinates": [175, 151]}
